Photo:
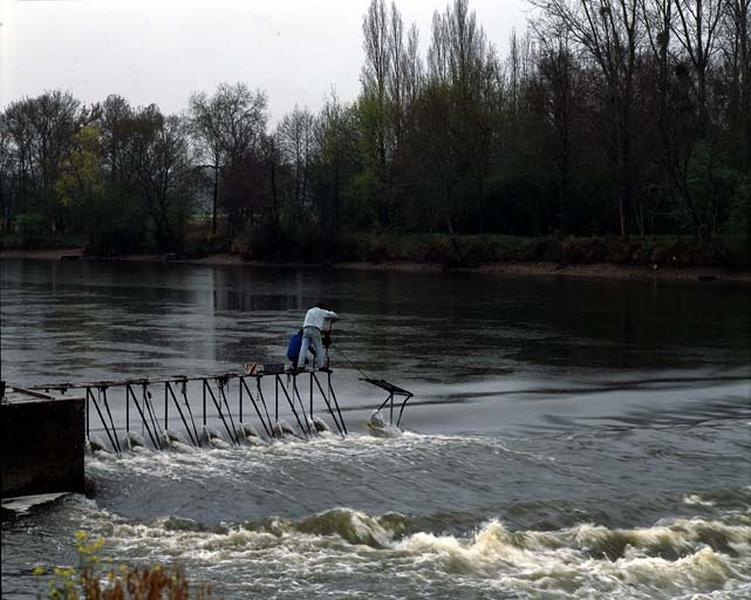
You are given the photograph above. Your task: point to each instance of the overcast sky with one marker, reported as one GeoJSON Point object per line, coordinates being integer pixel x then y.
{"type": "Point", "coordinates": [160, 50]}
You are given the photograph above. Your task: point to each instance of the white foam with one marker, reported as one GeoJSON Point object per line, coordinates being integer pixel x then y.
{"type": "Point", "coordinates": [697, 500]}
{"type": "Point", "coordinates": [672, 558]}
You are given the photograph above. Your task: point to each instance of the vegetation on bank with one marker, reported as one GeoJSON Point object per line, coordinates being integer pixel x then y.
{"type": "Point", "coordinates": [466, 252]}
{"type": "Point", "coordinates": [616, 132]}
{"type": "Point", "coordinates": [96, 578]}
{"type": "Point", "coordinates": [476, 251]}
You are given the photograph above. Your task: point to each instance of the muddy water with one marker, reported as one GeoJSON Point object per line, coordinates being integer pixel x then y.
{"type": "Point", "coordinates": [568, 438]}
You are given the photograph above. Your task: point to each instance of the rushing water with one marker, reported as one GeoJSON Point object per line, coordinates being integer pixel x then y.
{"type": "Point", "coordinates": [568, 439]}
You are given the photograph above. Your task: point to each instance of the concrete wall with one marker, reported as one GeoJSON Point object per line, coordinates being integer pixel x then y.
{"type": "Point", "coordinates": [42, 446]}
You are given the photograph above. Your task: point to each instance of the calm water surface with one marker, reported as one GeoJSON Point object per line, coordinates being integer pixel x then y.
{"type": "Point", "coordinates": [568, 438]}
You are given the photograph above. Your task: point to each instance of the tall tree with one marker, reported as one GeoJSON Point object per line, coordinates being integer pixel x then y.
{"type": "Point", "coordinates": [461, 72]}
{"type": "Point", "coordinates": [377, 75]}
{"type": "Point", "coordinates": [295, 140]}
{"type": "Point", "coordinates": [696, 28]}
{"type": "Point", "coordinates": [736, 45]}
{"type": "Point", "coordinates": [557, 70]}
{"type": "Point", "coordinates": [610, 32]}
{"type": "Point", "coordinates": [228, 127]}
{"type": "Point", "coordinates": [42, 129]}
{"type": "Point", "coordinates": [336, 164]}
{"type": "Point", "coordinates": [7, 168]}
{"type": "Point", "coordinates": [80, 184]}
{"type": "Point", "coordinates": [115, 126]}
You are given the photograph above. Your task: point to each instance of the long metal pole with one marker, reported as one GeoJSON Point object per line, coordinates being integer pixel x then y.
{"type": "Point", "coordinates": [311, 393]}
{"type": "Point", "coordinates": [401, 410]}
{"type": "Point", "coordinates": [150, 410]}
{"type": "Point", "coordinates": [218, 406]}
{"type": "Point", "coordinates": [166, 407]}
{"type": "Point", "coordinates": [184, 392]}
{"type": "Point", "coordinates": [276, 398]}
{"type": "Point", "coordinates": [112, 422]}
{"type": "Point", "coordinates": [296, 395]}
{"type": "Point", "coordinates": [265, 407]}
{"type": "Point", "coordinates": [240, 401]}
{"type": "Point", "coordinates": [328, 405]}
{"type": "Point", "coordinates": [267, 428]}
{"type": "Point", "coordinates": [144, 421]}
{"type": "Point", "coordinates": [168, 387]}
{"type": "Point", "coordinates": [292, 406]}
{"type": "Point", "coordinates": [336, 403]}
{"type": "Point", "coordinates": [229, 412]}
{"type": "Point", "coordinates": [101, 419]}
{"type": "Point", "coordinates": [204, 402]}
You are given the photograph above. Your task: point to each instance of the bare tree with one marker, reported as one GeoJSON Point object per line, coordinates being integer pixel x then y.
{"type": "Point", "coordinates": [376, 71]}
{"type": "Point", "coordinates": [696, 27]}
{"type": "Point", "coordinates": [457, 97]}
{"type": "Point", "coordinates": [115, 123]}
{"type": "Point", "coordinates": [165, 177]}
{"type": "Point", "coordinates": [397, 76]}
{"type": "Point", "coordinates": [375, 27]}
{"type": "Point", "coordinates": [336, 156]}
{"type": "Point", "coordinates": [737, 49]}
{"type": "Point", "coordinates": [557, 70]}
{"type": "Point", "coordinates": [7, 167]}
{"type": "Point", "coordinates": [295, 140]}
{"type": "Point", "coordinates": [41, 130]}
{"type": "Point", "coordinates": [658, 19]}
{"type": "Point", "coordinates": [610, 32]}
{"type": "Point", "coordinates": [438, 52]}
{"type": "Point", "coordinates": [412, 67]}
{"type": "Point", "coordinates": [228, 127]}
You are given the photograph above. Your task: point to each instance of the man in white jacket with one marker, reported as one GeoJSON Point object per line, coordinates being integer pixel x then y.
{"type": "Point", "coordinates": [317, 319]}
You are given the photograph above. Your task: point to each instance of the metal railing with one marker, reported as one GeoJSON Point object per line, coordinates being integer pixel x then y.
{"type": "Point", "coordinates": [220, 390]}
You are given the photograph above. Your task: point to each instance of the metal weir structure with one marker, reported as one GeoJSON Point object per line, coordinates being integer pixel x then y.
{"type": "Point", "coordinates": [232, 401]}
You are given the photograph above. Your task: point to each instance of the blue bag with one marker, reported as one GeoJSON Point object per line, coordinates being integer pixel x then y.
{"type": "Point", "coordinates": [293, 348]}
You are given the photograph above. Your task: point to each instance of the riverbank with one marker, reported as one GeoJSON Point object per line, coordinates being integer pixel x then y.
{"type": "Point", "coordinates": [517, 268]}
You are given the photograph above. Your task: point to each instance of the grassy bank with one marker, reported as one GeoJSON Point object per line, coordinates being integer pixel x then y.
{"type": "Point", "coordinates": [473, 251]}
{"type": "Point", "coordinates": [459, 252]}
{"type": "Point", "coordinates": [476, 251]}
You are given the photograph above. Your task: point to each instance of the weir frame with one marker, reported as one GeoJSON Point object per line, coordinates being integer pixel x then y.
{"type": "Point", "coordinates": [215, 388]}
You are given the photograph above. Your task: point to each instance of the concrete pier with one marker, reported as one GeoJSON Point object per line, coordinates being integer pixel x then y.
{"type": "Point", "coordinates": [42, 443]}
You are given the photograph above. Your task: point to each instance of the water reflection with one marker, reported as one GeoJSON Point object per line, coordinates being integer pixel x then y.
{"type": "Point", "coordinates": [113, 318]}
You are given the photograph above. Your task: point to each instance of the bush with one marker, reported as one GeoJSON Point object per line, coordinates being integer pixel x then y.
{"type": "Point", "coordinates": [469, 251]}
{"type": "Point", "coordinates": [113, 239]}
{"type": "Point", "coordinates": [459, 252]}
{"type": "Point", "coordinates": [292, 243]}
{"type": "Point", "coordinates": [93, 579]}
{"type": "Point", "coordinates": [198, 244]}
{"type": "Point", "coordinates": [257, 242]}
{"type": "Point", "coordinates": [31, 230]}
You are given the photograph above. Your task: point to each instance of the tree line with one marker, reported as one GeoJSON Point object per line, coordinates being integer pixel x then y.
{"type": "Point", "coordinates": [607, 117]}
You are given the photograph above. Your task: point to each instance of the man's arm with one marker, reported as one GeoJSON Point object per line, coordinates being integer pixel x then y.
{"type": "Point", "coordinates": [329, 314]}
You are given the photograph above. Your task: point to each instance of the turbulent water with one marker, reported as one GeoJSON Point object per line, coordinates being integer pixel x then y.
{"type": "Point", "coordinates": [568, 439]}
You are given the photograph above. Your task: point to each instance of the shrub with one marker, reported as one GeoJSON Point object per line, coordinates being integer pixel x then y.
{"type": "Point", "coordinates": [197, 244]}
{"type": "Point", "coordinates": [31, 230]}
{"type": "Point", "coordinates": [113, 239]}
{"type": "Point", "coordinates": [95, 578]}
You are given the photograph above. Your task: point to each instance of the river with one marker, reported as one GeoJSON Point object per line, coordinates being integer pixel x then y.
{"type": "Point", "coordinates": [568, 438]}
